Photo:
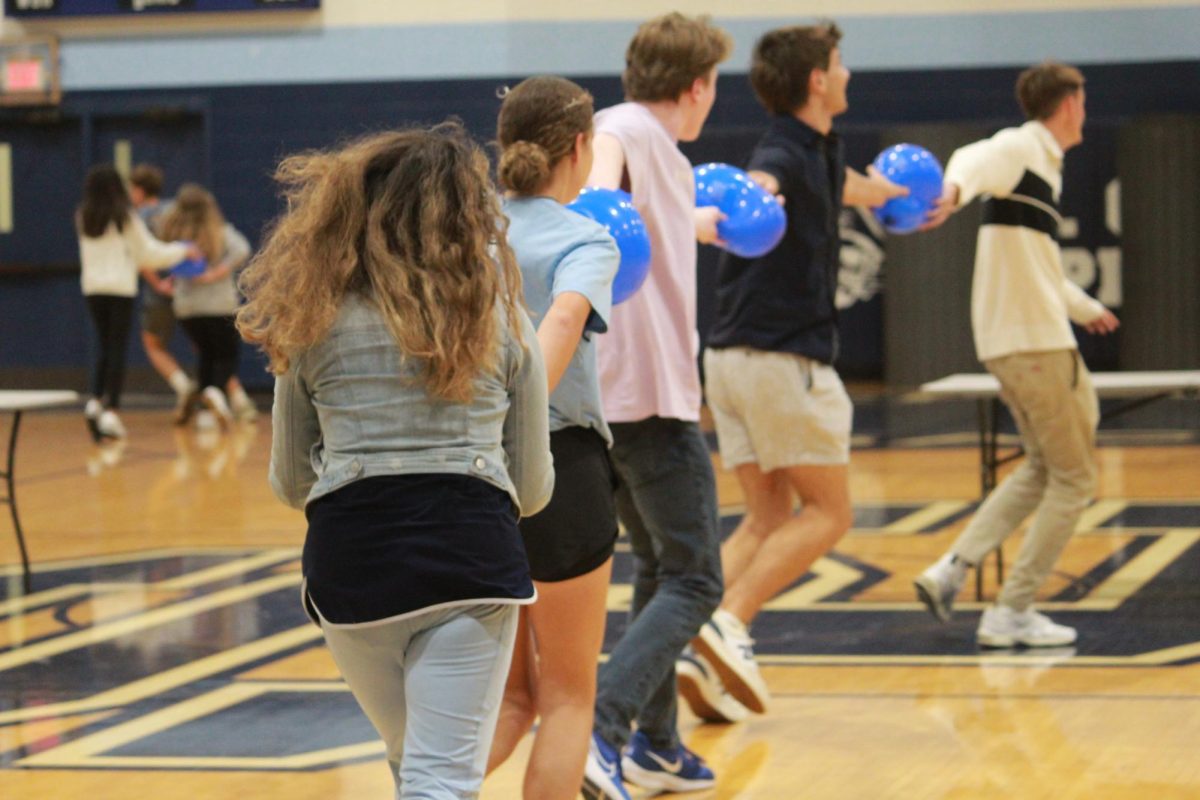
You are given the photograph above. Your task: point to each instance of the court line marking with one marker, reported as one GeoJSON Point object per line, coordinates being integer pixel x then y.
{"type": "Point", "coordinates": [931, 514]}
{"type": "Point", "coordinates": [1098, 513]}
{"type": "Point", "coordinates": [126, 557]}
{"type": "Point", "coordinates": [188, 580]}
{"type": "Point", "coordinates": [159, 616]}
{"type": "Point", "coordinates": [162, 682]}
{"type": "Point", "coordinates": [1153, 658]}
{"type": "Point", "coordinates": [241, 566]}
{"type": "Point", "coordinates": [87, 751]}
{"type": "Point", "coordinates": [1129, 579]}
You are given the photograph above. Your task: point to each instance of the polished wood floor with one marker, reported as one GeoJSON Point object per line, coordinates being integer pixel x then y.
{"type": "Point", "coordinates": [163, 652]}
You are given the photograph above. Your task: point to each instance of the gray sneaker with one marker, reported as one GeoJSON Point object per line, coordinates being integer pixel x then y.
{"type": "Point", "coordinates": [939, 584]}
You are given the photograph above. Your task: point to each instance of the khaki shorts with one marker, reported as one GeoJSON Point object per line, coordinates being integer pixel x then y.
{"type": "Point", "coordinates": [777, 409]}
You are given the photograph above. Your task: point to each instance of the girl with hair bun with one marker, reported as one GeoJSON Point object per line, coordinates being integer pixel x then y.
{"type": "Point", "coordinates": [568, 263]}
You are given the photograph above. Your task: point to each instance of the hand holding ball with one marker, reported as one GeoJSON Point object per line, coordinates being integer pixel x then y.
{"type": "Point", "coordinates": [915, 168]}
{"type": "Point", "coordinates": [754, 221]}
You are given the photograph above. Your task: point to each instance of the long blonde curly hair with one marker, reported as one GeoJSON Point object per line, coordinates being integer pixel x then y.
{"type": "Point", "coordinates": [409, 220]}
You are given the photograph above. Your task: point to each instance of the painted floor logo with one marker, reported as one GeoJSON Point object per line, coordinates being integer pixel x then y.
{"type": "Point", "coordinates": [181, 659]}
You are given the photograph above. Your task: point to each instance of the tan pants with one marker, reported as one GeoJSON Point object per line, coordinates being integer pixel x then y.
{"type": "Point", "coordinates": [1051, 397]}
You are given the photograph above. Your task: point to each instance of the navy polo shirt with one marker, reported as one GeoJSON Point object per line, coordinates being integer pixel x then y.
{"type": "Point", "coordinates": [784, 301]}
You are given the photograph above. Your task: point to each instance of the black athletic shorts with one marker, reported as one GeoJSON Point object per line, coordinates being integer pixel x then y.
{"type": "Point", "coordinates": [576, 532]}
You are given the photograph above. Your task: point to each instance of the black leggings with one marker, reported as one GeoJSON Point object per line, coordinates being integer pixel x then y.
{"type": "Point", "coordinates": [216, 341]}
{"type": "Point", "coordinates": [112, 317]}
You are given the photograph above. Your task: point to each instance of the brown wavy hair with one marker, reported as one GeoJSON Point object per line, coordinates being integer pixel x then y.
{"type": "Point", "coordinates": [407, 219]}
{"type": "Point", "coordinates": [668, 54]}
{"type": "Point", "coordinates": [194, 216]}
{"type": "Point", "coordinates": [539, 120]}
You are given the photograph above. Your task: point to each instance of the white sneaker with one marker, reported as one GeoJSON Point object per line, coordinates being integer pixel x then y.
{"type": "Point", "coordinates": [244, 409]}
{"type": "Point", "coordinates": [1001, 626]}
{"type": "Point", "coordinates": [91, 415]}
{"type": "Point", "coordinates": [701, 687]}
{"type": "Point", "coordinates": [939, 584]}
{"type": "Point", "coordinates": [110, 425]}
{"type": "Point", "coordinates": [727, 645]}
{"type": "Point", "coordinates": [214, 400]}
{"type": "Point", "coordinates": [186, 402]}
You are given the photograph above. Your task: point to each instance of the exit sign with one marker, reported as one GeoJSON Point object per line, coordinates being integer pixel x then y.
{"type": "Point", "coordinates": [24, 75]}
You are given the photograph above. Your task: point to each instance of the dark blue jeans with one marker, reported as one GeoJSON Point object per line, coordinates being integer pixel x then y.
{"type": "Point", "coordinates": [666, 497]}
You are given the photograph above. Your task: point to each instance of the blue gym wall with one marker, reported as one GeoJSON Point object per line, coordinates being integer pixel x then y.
{"type": "Point", "coordinates": [250, 96]}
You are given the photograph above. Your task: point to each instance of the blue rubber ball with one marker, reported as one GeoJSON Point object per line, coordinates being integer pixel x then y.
{"type": "Point", "coordinates": [915, 167]}
{"type": "Point", "coordinates": [614, 209]}
{"type": "Point", "coordinates": [754, 221]}
{"type": "Point", "coordinates": [190, 267]}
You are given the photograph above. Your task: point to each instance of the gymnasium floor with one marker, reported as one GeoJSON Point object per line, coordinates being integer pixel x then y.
{"type": "Point", "coordinates": [164, 653]}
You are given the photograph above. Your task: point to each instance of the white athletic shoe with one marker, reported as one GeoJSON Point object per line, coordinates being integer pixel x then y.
{"type": "Point", "coordinates": [1001, 626]}
{"type": "Point", "coordinates": [214, 400]}
{"type": "Point", "coordinates": [701, 688]}
{"type": "Point", "coordinates": [186, 402]}
{"type": "Point", "coordinates": [91, 415]}
{"type": "Point", "coordinates": [940, 583]}
{"type": "Point", "coordinates": [110, 425]}
{"type": "Point", "coordinates": [727, 645]}
{"type": "Point", "coordinates": [244, 409]}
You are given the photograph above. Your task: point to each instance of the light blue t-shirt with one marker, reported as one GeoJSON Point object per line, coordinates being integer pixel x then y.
{"type": "Point", "coordinates": [561, 251]}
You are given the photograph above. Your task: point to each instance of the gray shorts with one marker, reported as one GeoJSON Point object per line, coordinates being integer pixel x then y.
{"type": "Point", "coordinates": [777, 409]}
{"type": "Point", "coordinates": [158, 319]}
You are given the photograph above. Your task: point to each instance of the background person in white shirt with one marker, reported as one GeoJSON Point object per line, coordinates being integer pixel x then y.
{"type": "Point", "coordinates": [1021, 308]}
{"type": "Point", "coordinates": [113, 243]}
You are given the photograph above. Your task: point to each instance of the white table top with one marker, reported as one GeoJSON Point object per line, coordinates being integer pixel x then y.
{"type": "Point", "coordinates": [1108, 384]}
{"type": "Point", "coordinates": [27, 400]}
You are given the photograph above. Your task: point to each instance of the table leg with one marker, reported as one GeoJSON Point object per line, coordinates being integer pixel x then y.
{"type": "Point", "coordinates": [11, 499]}
{"type": "Point", "coordinates": [989, 461]}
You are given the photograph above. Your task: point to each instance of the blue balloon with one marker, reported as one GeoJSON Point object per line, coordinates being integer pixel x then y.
{"type": "Point", "coordinates": [190, 267]}
{"type": "Point", "coordinates": [614, 209]}
{"type": "Point", "coordinates": [915, 167]}
{"type": "Point", "coordinates": [754, 221]}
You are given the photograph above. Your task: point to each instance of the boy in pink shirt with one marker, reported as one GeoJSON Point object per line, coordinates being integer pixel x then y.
{"type": "Point", "coordinates": [666, 495]}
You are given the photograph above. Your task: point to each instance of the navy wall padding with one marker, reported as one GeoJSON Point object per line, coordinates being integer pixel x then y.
{"type": "Point", "coordinates": [243, 131]}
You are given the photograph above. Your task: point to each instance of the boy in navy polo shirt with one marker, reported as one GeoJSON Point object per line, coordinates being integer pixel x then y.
{"type": "Point", "coordinates": [782, 415]}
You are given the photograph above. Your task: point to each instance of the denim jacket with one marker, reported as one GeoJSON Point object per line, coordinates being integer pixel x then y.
{"type": "Point", "coordinates": [354, 406]}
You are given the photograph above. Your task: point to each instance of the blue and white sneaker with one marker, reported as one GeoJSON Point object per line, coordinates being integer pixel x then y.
{"type": "Point", "coordinates": [678, 770]}
{"type": "Point", "coordinates": [602, 772]}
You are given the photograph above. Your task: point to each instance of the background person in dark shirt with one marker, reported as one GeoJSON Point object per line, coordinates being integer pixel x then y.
{"type": "Point", "coordinates": [782, 415]}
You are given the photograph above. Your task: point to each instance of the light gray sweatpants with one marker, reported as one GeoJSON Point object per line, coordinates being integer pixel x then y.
{"type": "Point", "coordinates": [431, 685]}
{"type": "Point", "coordinates": [1051, 397]}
